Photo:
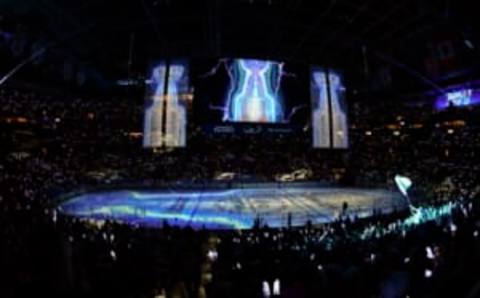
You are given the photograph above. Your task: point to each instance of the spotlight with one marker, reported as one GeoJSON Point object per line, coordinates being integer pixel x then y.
{"type": "Point", "coordinates": [428, 273]}
{"type": "Point", "coordinates": [469, 44]}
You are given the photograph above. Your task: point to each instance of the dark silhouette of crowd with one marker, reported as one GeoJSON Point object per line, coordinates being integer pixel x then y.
{"type": "Point", "coordinates": [54, 144]}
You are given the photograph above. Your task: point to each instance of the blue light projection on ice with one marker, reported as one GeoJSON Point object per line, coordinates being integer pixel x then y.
{"type": "Point", "coordinates": [253, 94]}
{"type": "Point", "coordinates": [229, 209]}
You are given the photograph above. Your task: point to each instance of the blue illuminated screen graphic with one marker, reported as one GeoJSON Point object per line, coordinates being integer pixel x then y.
{"type": "Point", "coordinates": [458, 97]}
{"type": "Point", "coordinates": [253, 95]}
{"type": "Point", "coordinates": [250, 91]}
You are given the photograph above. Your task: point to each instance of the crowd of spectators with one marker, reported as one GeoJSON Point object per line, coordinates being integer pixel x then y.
{"type": "Point", "coordinates": [52, 144]}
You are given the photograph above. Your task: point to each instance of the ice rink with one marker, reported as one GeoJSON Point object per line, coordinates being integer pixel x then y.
{"type": "Point", "coordinates": [230, 209]}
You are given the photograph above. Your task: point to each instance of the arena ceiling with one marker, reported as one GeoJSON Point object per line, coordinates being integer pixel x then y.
{"type": "Point", "coordinates": [333, 32]}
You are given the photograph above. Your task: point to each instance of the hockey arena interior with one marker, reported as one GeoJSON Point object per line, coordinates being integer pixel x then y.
{"type": "Point", "coordinates": [240, 148]}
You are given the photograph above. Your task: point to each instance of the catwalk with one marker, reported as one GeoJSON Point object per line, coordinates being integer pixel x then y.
{"type": "Point", "coordinates": [230, 209]}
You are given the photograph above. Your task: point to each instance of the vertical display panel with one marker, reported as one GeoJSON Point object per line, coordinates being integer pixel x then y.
{"type": "Point", "coordinates": [329, 109]}
{"type": "Point", "coordinates": [165, 121]}
{"type": "Point", "coordinates": [320, 109]}
{"type": "Point", "coordinates": [176, 104]}
{"type": "Point", "coordinates": [339, 110]}
{"type": "Point", "coordinates": [154, 106]}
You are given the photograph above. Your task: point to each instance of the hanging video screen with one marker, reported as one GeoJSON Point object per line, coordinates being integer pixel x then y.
{"type": "Point", "coordinates": [321, 128]}
{"type": "Point", "coordinates": [329, 109]}
{"type": "Point", "coordinates": [458, 97]}
{"type": "Point", "coordinates": [250, 91]}
{"type": "Point", "coordinates": [165, 118]}
{"type": "Point", "coordinates": [339, 110]}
